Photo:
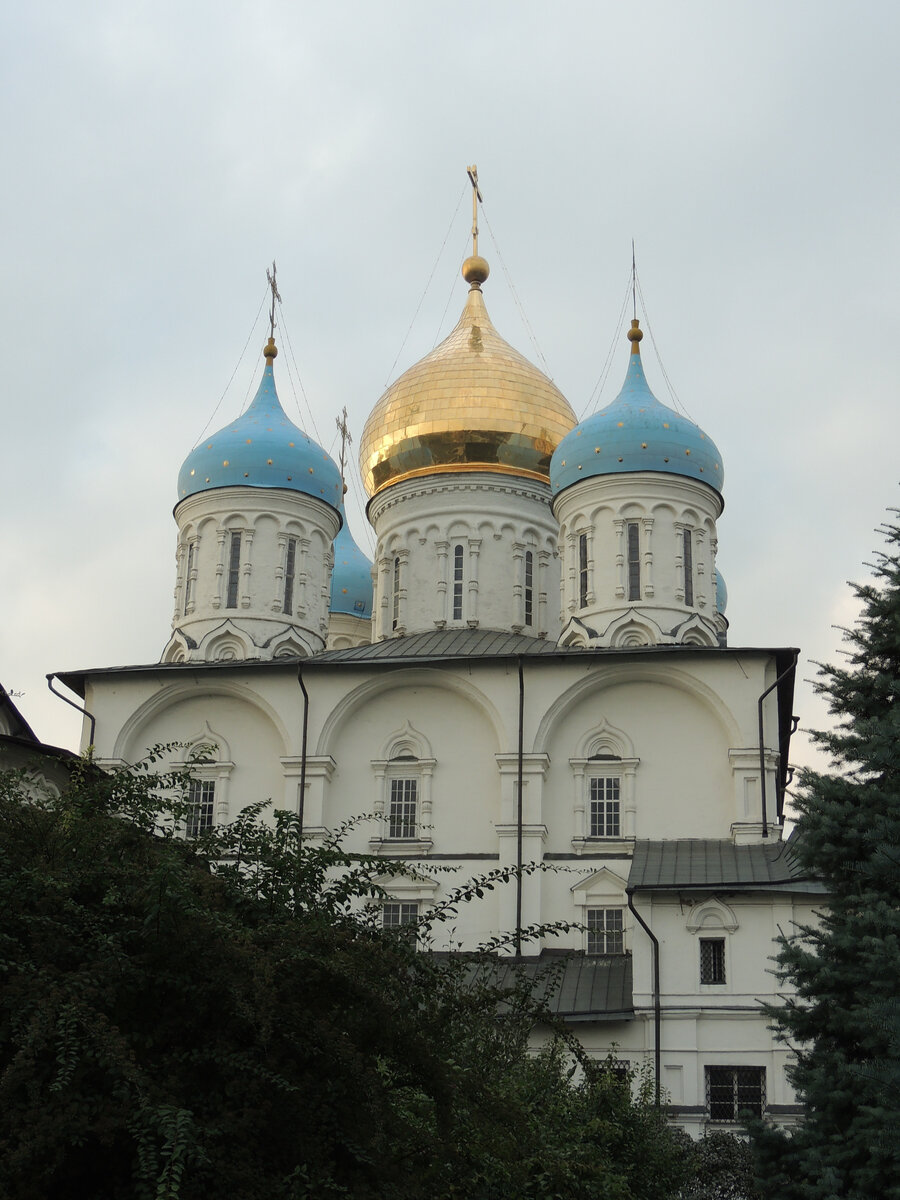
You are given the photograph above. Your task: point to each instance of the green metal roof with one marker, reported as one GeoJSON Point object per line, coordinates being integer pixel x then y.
{"type": "Point", "coordinates": [707, 863]}
{"type": "Point", "coordinates": [574, 987]}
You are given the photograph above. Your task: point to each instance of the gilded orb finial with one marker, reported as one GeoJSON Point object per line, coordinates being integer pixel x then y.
{"type": "Point", "coordinates": [634, 336]}
{"type": "Point", "coordinates": [475, 270]}
{"type": "Point", "coordinates": [271, 350]}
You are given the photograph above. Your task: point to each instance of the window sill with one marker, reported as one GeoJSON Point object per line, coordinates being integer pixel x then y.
{"type": "Point", "coordinates": [601, 845]}
{"type": "Point", "coordinates": [400, 847]}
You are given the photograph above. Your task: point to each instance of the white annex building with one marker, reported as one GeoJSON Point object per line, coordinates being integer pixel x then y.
{"type": "Point", "coordinates": [535, 669]}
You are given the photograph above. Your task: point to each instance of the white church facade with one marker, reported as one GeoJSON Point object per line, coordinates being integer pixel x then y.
{"type": "Point", "coordinates": [535, 669]}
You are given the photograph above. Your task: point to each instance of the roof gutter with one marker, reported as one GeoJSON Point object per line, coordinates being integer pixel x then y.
{"type": "Point", "coordinates": [89, 716]}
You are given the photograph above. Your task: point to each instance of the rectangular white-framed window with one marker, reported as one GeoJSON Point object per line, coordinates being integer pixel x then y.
{"type": "Point", "coordinates": [582, 570]}
{"type": "Point", "coordinates": [290, 567]}
{"type": "Point", "coordinates": [400, 916]}
{"type": "Point", "coordinates": [402, 811]}
{"type": "Point", "coordinates": [605, 930]}
{"type": "Point", "coordinates": [712, 960]}
{"type": "Point", "coordinates": [605, 806]}
{"type": "Point", "coordinates": [633, 548]}
{"type": "Point", "coordinates": [202, 799]}
{"type": "Point", "coordinates": [731, 1091]}
{"type": "Point", "coordinates": [234, 569]}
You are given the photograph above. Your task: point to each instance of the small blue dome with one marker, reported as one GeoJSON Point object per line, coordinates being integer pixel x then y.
{"type": "Point", "coordinates": [635, 433]}
{"type": "Point", "coordinates": [351, 579]}
{"type": "Point", "coordinates": [262, 449]}
{"type": "Point", "coordinates": [721, 593]}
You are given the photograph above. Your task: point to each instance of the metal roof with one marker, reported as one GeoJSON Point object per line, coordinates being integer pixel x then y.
{"type": "Point", "coordinates": [704, 863]}
{"type": "Point", "coordinates": [574, 987]}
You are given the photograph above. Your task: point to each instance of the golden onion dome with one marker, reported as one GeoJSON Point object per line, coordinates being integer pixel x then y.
{"type": "Point", "coordinates": [472, 404]}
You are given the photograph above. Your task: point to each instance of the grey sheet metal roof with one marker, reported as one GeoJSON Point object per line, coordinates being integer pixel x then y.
{"type": "Point", "coordinates": [575, 987]}
{"type": "Point", "coordinates": [441, 643]}
{"type": "Point", "coordinates": [705, 863]}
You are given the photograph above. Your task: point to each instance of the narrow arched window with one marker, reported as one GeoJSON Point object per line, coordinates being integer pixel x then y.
{"type": "Point", "coordinates": [634, 560]}
{"type": "Point", "coordinates": [234, 570]}
{"type": "Point", "coordinates": [189, 579]}
{"type": "Point", "coordinates": [688, 556]}
{"type": "Point", "coordinates": [582, 570]}
{"type": "Point", "coordinates": [457, 583]}
{"type": "Point", "coordinates": [290, 562]}
{"type": "Point", "coordinates": [395, 616]}
{"type": "Point", "coordinates": [529, 587]}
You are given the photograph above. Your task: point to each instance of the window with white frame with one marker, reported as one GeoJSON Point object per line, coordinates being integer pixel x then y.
{"type": "Point", "coordinates": [528, 594]}
{"type": "Point", "coordinates": [399, 917]}
{"type": "Point", "coordinates": [458, 572]}
{"type": "Point", "coordinates": [582, 570]}
{"type": "Point", "coordinates": [605, 930]}
{"type": "Point", "coordinates": [731, 1091]}
{"type": "Point", "coordinates": [190, 577]}
{"type": "Point", "coordinates": [201, 800]}
{"type": "Point", "coordinates": [234, 569]}
{"type": "Point", "coordinates": [403, 779]}
{"type": "Point", "coordinates": [604, 776]}
{"type": "Point", "coordinates": [403, 810]}
{"type": "Point", "coordinates": [395, 594]}
{"type": "Point", "coordinates": [687, 556]}
{"type": "Point", "coordinates": [633, 559]}
{"type": "Point", "coordinates": [290, 568]}
{"type": "Point", "coordinates": [605, 812]}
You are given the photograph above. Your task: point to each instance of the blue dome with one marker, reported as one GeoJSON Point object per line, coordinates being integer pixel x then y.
{"type": "Point", "coordinates": [262, 449]}
{"type": "Point", "coordinates": [721, 593]}
{"type": "Point", "coordinates": [351, 579]}
{"type": "Point", "coordinates": [635, 433]}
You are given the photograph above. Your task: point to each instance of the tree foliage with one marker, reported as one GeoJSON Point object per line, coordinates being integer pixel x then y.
{"type": "Point", "coordinates": [843, 1022]}
{"type": "Point", "coordinates": [183, 1019]}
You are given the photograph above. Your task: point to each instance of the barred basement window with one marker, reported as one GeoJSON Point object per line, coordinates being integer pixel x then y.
{"type": "Point", "coordinates": [402, 813]}
{"type": "Point", "coordinates": [234, 571]}
{"type": "Point", "coordinates": [201, 797]}
{"type": "Point", "coordinates": [605, 810]}
{"type": "Point", "coordinates": [582, 570]}
{"type": "Point", "coordinates": [731, 1091]}
{"type": "Point", "coordinates": [633, 535]}
{"type": "Point", "coordinates": [712, 960]}
{"type": "Point", "coordinates": [457, 583]}
{"type": "Point", "coordinates": [529, 587]}
{"type": "Point", "coordinates": [605, 931]}
{"type": "Point", "coordinates": [189, 578]}
{"type": "Point", "coordinates": [688, 569]}
{"type": "Point", "coordinates": [400, 916]}
{"type": "Point", "coordinates": [290, 562]}
{"type": "Point", "coordinates": [395, 614]}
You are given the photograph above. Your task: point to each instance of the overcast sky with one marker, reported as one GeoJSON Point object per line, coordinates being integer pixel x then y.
{"type": "Point", "coordinates": [158, 155]}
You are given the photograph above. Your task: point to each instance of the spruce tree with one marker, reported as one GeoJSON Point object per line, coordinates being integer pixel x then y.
{"type": "Point", "coordinates": [843, 1021]}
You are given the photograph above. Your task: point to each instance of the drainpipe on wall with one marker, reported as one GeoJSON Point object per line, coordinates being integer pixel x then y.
{"type": "Point", "coordinates": [302, 803]}
{"type": "Point", "coordinates": [519, 813]}
{"type": "Point", "coordinates": [657, 1005]}
{"type": "Point", "coordinates": [89, 716]}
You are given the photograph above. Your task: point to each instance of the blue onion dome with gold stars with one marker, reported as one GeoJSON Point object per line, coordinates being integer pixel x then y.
{"type": "Point", "coordinates": [262, 449]}
{"type": "Point", "coordinates": [351, 578]}
{"type": "Point", "coordinates": [635, 433]}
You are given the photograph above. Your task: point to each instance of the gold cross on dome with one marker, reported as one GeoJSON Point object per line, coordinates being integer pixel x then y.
{"type": "Point", "coordinates": [472, 172]}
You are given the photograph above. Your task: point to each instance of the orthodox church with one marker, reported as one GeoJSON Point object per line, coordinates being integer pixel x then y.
{"type": "Point", "coordinates": [535, 669]}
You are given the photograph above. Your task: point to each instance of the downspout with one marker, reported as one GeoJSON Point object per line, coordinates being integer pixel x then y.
{"type": "Point", "coordinates": [519, 813]}
{"type": "Point", "coordinates": [657, 1005]}
{"type": "Point", "coordinates": [89, 716]}
{"type": "Point", "coordinates": [302, 804]}
{"type": "Point", "coordinates": [762, 746]}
